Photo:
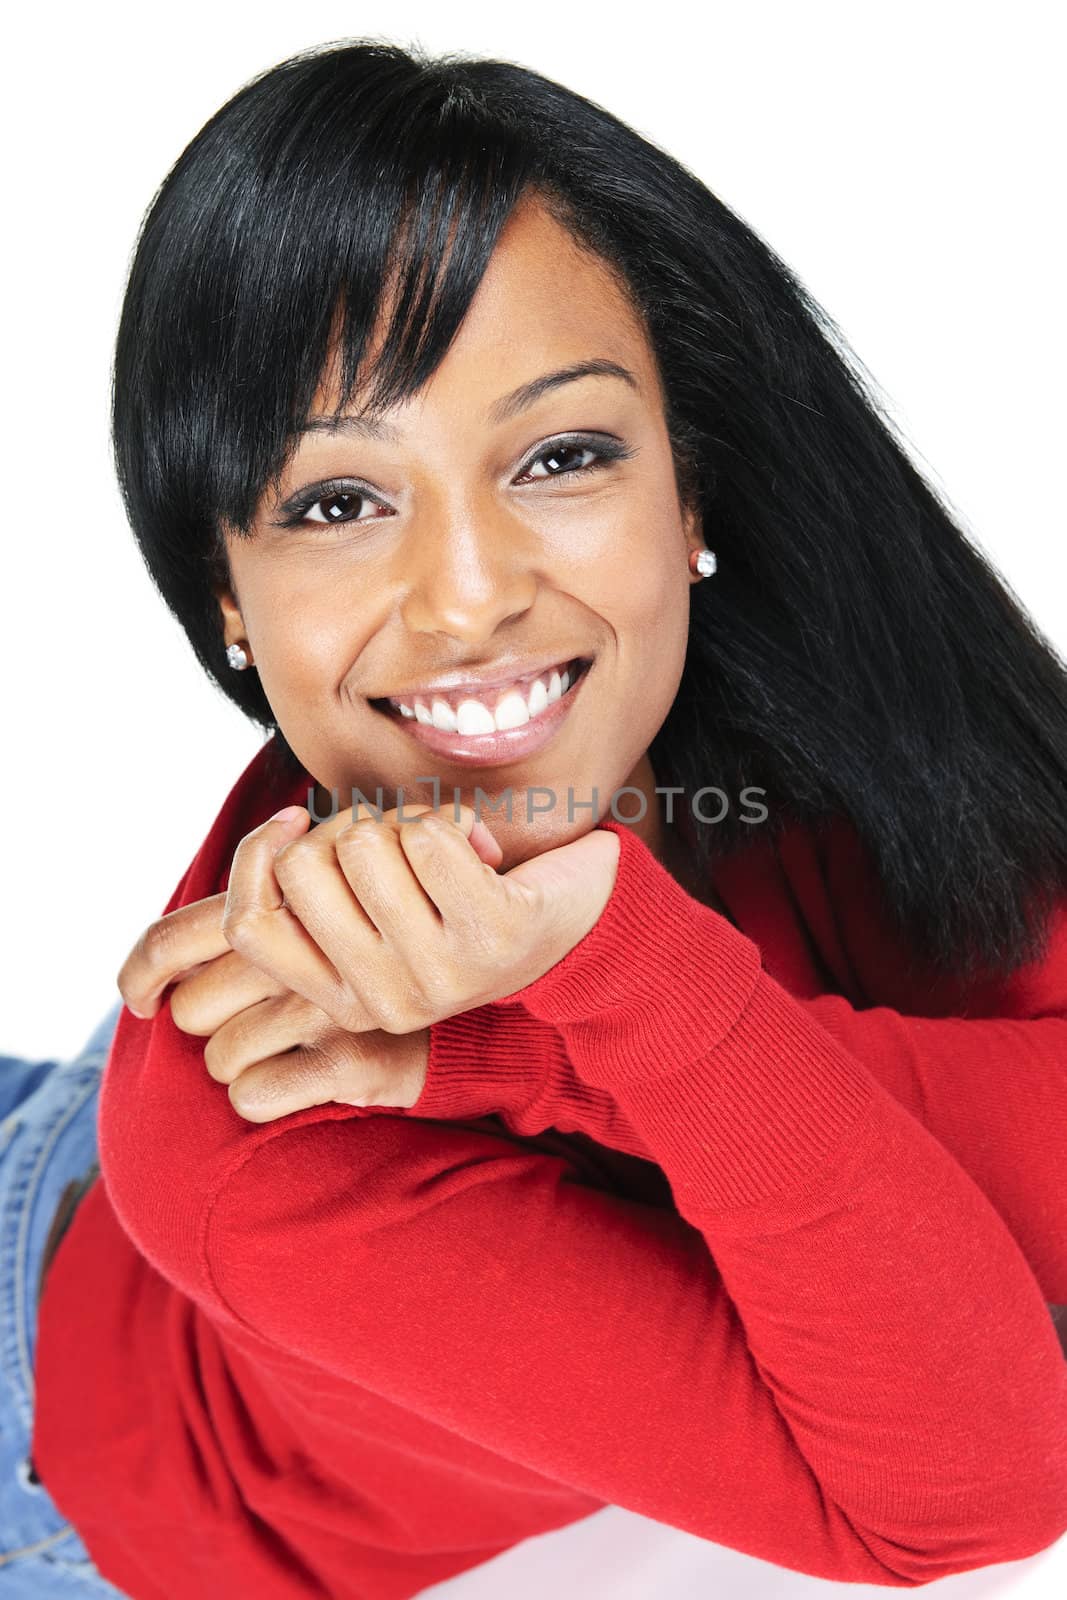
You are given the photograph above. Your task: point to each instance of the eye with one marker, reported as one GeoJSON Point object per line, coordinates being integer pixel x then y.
{"type": "Point", "coordinates": [603, 452]}
{"type": "Point", "coordinates": [332, 502]}
{"type": "Point", "coordinates": [338, 503]}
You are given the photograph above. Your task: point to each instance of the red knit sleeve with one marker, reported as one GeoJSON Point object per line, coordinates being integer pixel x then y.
{"type": "Point", "coordinates": [836, 1359]}
{"type": "Point", "coordinates": [992, 1091]}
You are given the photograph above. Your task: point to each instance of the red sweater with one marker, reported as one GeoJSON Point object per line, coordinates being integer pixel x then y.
{"type": "Point", "coordinates": [738, 1227]}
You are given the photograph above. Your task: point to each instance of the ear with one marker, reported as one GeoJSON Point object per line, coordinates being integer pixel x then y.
{"type": "Point", "coordinates": [693, 528]}
{"type": "Point", "coordinates": [233, 627]}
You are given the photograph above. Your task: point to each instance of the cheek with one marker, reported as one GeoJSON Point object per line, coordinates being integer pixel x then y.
{"type": "Point", "coordinates": [646, 587]}
{"type": "Point", "coordinates": [307, 642]}
{"type": "Point", "coordinates": [631, 554]}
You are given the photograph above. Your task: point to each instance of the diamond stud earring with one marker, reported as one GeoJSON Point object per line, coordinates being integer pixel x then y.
{"type": "Point", "coordinates": [702, 562]}
{"type": "Point", "coordinates": [236, 657]}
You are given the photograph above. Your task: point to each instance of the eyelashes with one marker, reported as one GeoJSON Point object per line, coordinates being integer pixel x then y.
{"type": "Point", "coordinates": [294, 513]}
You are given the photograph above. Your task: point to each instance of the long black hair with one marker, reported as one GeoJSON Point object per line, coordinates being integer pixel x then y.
{"type": "Point", "coordinates": [854, 655]}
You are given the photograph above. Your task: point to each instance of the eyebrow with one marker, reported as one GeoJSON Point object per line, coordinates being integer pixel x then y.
{"type": "Point", "coordinates": [522, 398]}
{"type": "Point", "coordinates": [509, 405]}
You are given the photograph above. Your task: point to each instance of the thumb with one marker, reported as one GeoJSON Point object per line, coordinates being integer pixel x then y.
{"type": "Point", "coordinates": [577, 878]}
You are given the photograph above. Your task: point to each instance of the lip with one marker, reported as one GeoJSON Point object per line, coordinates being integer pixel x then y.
{"type": "Point", "coordinates": [499, 747]}
{"type": "Point", "coordinates": [454, 683]}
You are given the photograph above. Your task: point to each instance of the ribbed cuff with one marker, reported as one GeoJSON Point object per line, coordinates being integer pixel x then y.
{"type": "Point", "coordinates": [656, 983]}
{"type": "Point", "coordinates": [500, 1061]}
{"type": "Point", "coordinates": [483, 1062]}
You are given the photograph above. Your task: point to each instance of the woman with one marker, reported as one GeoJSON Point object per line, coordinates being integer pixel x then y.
{"type": "Point", "coordinates": [707, 1162]}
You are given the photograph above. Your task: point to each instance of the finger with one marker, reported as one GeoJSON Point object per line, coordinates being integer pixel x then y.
{"type": "Point", "coordinates": [369, 864]}
{"type": "Point", "coordinates": [282, 1085]}
{"type": "Point", "coordinates": [171, 945]}
{"type": "Point", "coordinates": [484, 843]}
{"type": "Point", "coordinates": [359, 900]}
{"type": "Point", "coordinates": [267, 1028]}
{"type": "Point", "coordinates": [322, 1064]}
{"type": "Point", "coordinates": [258, 924]}
{"type": "Point", "coordinates": [482, 840]}
{"type": "Point", "coordinates": [341, 1068]}
{"type": "Point", "coordinates": [465, 890]}
{"type": "Point", "coordinates": [217, 991]}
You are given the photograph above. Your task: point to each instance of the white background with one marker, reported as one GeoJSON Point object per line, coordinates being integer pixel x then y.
{"type": "Point", "coordinates": [905, 160]}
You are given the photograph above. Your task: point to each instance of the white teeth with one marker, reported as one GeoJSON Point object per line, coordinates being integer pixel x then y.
{"type": "Point", "coordinates": [443, 716]}
{"type": "Point", "coordinates": [538, 698]}
{"type": "Point", "coordinates": [513, 710]}
{"type": "Point", "coordinates": [472, 717]}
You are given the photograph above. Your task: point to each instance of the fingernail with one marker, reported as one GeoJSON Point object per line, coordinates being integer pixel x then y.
{"type": "Point", "coordinates": [287, 814]}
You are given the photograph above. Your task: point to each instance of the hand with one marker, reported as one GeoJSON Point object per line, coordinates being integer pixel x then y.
{"type": "Point", "coordinates": [281, 1054]}
{"type": "Point", "coordinates": [389, 925]}
{"type": "Point", "coordinates": [184, 941]}
{"type": "Point", "coordinates": [277, 1052]}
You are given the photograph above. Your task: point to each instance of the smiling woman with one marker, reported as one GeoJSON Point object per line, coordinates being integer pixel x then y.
{"type": "Point", "coordinates": [457, 1180]}
{"type": "Point", "coordinates": [470, 551]}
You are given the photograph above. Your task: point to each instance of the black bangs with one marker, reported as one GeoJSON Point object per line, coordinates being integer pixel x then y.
{"type": "Point", "coordinates": [409, 228]}
{"type": "Point", "coordinates": [452, 219]}
{"type": "Point", "coordinates": [354, 183]}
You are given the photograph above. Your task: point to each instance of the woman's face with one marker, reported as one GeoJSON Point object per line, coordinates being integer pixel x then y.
{"type": "Point", "coordinates": [471, 539]}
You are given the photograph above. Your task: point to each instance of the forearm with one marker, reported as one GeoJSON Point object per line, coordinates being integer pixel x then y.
{"type": "Point", "coordinates": [993, 1092]}
{"type": "Point", "coordinates": [814, 1188]}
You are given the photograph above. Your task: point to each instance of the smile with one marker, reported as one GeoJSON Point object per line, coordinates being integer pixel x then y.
{"type": "Point", "coordinates": [487, 731]}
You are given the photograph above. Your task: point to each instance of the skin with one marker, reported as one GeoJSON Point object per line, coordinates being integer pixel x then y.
{"type": "Point", "coordinates": [318, 973]}
{"type": "Point", "coordinates": [466, 565]}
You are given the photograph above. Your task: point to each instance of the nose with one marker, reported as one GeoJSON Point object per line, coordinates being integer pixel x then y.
{"type": "Point", "coordinates": [467, 577]}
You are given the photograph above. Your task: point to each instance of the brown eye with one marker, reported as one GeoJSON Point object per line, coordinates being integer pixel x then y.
{"type": "Point", "coordinates": [556, 453]}
{"type": "Point", "coordinates": [560, 453]}
{"type": "Point", "coordinates": [562, 457]}
{"type": "Point", "coordinates": [337, 506]}
{"type": "Point", "coordinates": [330, 505]}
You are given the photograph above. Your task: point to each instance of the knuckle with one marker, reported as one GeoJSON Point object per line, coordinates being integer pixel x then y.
{"type": "Point", "coordinates": [158, 944]}
{"type": "Point", "coordinates": [287, 861]}
{"type": "Point", "coordinates": [295, 1008]}
{"type": "Point", "coordinates": [323, 1059]}
{"type": "Point", "coordinates": [183, 1010]}
{"type": "Point", "coordinates": [410, 808]}
{"type": "Point", "coordinates": [350, 1013]}
{"type": "Point", "coordinates": [400, 1011]}
{"type": "Point", "coordinates": [239, 927]}
{"type": "Point", "coordinates": [394, 1021]}
{"type": "Point", "coordinates": [217, 1060]}
{"type": "Point", "coordinates": [481, 935]}
{"type": "Point", "coordinates": [356, 837]}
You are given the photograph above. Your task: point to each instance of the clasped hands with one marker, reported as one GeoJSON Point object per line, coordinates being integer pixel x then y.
{"type": "Point", "coordinates": [317, 975]}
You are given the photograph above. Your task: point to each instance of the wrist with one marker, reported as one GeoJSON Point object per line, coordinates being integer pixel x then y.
{"type": "Point", "coordinates": [500, 1061]}
{"type": "Point", "coordinates": [481, 1062]}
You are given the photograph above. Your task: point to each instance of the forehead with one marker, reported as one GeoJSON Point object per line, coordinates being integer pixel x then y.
{"type": "Point", "coordinates": [543, 301]}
